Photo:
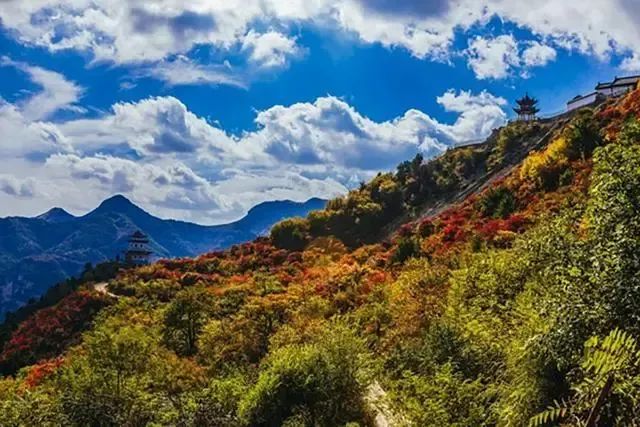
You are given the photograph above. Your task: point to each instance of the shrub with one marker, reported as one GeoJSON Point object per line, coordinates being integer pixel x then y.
{"type": "Point", "coordinates": [497, 203]}
{"type": "Point", "coordinates": [543, 169]}
{"type": "Point", "coordinates": [583, 135]}
{"type": "Point", "coordinates": [217, 404]}
{"type": "Point", "coordinates": [291, 234]}
{"type": "Point", "coordinates": [406, 248]}
{"type": "Point", "coordinates": [320, 382]}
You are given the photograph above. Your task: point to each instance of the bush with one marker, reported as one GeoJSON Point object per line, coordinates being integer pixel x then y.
{"type": "Point", "coordinates": [497, 203]}
{"type": "Point", "coordinates": [50, 331]}
{"type": "Point", "coordinates": [291, 234]}
{"type": "Point", "coordinates": [217, 404]}
{"type": "Point", "coordinates": [320, 383]}
{"type": "Point", "coordinates": [508, 140]}
{"type": "Point", "coordinates": [583, 135]}
{"type": "Point", "coordinates": [545, 168]}
{"type": "Point", "coordinates": [406, 248]}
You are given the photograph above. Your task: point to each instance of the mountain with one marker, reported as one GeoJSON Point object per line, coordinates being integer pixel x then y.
{"type": "Point", "coordinates": [261, 218]}
{"type": "Point", "coordinates": [37, 252]}
{"type": "Point", "coordinates": [497, 284]}
{"type": "Point", "coordinates": [56, 215]}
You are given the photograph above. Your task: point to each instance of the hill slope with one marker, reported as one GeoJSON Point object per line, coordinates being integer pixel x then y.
{"type": "Point", "coordinates": [509, 284]}
{"type": "Point", "coordinates": [37, 252]}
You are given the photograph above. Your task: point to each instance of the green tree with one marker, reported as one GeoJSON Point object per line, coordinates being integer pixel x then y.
{"type": "Point", "coordinates": [184, 319]}
{"type": "Point", "coordinates": [217, 404]}
{"type": "Point", "coordinates": [105, 383]}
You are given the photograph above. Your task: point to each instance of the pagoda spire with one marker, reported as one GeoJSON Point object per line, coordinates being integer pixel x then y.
{"type": "Point", "coordinates": [527, 108]}
{"type": "Point", "coordinates": [138, 251]}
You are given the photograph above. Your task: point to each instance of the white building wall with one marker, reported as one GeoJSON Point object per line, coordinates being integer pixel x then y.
{"type": "Point", "coordinates": [582, 102]}
{"type": "Point", "coordinates": [616, 90]}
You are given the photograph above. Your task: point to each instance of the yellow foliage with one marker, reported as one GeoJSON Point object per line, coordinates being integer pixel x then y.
{"type": "Point", "coordinates": [543, 168]}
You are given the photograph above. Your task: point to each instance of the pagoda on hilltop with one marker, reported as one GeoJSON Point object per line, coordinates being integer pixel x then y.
{"type": "Point", "coordinates": [138, 251]}
{"type": "Point", "coordinates": [527, 108]}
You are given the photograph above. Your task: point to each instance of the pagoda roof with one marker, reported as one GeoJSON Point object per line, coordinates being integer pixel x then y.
{"type": "Point", "coordinates": [527, 109]}
{"type": "Point", "coordinates": [527, 100]}
{"type": "Point", "coordinates": [138, 252]}
{"type": "Point", "coordinates": [139, 235]}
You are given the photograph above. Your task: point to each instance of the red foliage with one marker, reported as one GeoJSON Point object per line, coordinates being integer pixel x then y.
{"type": "Point", "coordinates": [41, 371]}
{"type": "Point", "coordinates": [51, 330]}
{"type": "Point", "coordinates": [617, 113]}
{"type": "Point", "coordinates": [406, 230]}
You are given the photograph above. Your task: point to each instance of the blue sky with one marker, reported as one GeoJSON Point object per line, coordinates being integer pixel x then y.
{"type": "Point", "coordinates": [200, 111]}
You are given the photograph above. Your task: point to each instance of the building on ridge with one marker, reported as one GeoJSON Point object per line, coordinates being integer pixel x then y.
{"type": "Point", "coordinates": [618, 87]}
{"type": "Point", "coordinates": [527, 108]}
{"type": "Point", "coordinates": [138, 250]}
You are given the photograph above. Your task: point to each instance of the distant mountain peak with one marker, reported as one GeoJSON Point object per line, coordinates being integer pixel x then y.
{"type": "Point", "coordinates": [117, 203]}
{"type": "Point", "coordinates": [55, 215]}
{"type": "Point", "coordinates": [273, 205]}
{"type": "Point", "coordinates": [263, 216]}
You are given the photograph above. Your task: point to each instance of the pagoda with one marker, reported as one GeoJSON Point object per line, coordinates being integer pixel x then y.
{"type": "Point", "coordinates": [527, 108]}
{"type": "Point", "coordinates": [138, 251]}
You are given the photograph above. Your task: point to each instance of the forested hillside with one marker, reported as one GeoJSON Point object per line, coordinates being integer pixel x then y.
{"type": "Point", "coordinates": [36, 253]}
{"type": "Point", "coordinates": [498, 284]}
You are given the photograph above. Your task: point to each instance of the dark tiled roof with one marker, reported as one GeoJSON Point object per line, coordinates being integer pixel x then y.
{"type": "Point", "coordinates": [631, 80]}
{"type": "Point", "coordinates": [619, 81]}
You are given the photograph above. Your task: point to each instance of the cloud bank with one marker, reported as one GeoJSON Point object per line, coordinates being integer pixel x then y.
{"type": "Point", "coordinates": [177, 164]}
{"type": "Point", "coordinates": [137, 32]}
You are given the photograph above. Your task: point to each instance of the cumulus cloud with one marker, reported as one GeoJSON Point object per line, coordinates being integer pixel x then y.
{"type": "Point", "coordinates": [124, 31]}
{"type": "Point", "coordinates": [538, 55]}
{"type": "Point", "coordinates": [631, 64]}
{"type": "Point", "coordinates": [493, 58]}
{"type": "Point", "coordinates": [270, 49]}
{"type": "Point", "coordinates": [175, 185]}
{"type": "Point", "coordinates": [180, 165]}
{"type": "Point", "coordinates": [496, 58]}
{"type": "Point", "coordinates": [23, 137]}
{"type": "Point", "coordinates": [479, 114]}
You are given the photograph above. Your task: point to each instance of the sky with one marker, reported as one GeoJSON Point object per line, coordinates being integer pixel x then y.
{"type": "Point", "coordinates": [200, 110]}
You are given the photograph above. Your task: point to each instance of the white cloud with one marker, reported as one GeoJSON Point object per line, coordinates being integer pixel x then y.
{"type": "Point", "coordinates": [631, 64]}
{"type": "Point", "coordinates": [175, 185]}
{"type": "Point", "coordinates": [538, 55]}
{"type": "Point", "coordinates": [496, 58]}
{"type": "Point", "coordinates": [23, 137]}
{"type": "Point", "coordinates": [479, 114]}
{"type": "Point", "coordinates": [270, 49]}
{"type": "Point", "coordinates": [493, 58]}
{"type": "Point", "coordinates": [124, 31]}
{"type": "Point", "coordinates": [184, 72]}
{"type": "Point", "coordinates": [57, 93]}
{"type": "Point", "coordinates": [176, 164]}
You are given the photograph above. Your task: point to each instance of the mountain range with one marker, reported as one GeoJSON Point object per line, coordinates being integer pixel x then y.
{"type": "Point", "coordinates": [36, 253]}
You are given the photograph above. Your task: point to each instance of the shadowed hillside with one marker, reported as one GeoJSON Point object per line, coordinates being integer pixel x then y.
{"type": "Point", "coordinates": [37, 252]}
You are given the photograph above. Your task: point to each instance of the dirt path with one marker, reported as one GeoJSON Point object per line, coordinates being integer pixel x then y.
{"type": "Point", "coordinates": [102, 288]}
{"type": "Point", "coordinates": [376, 399]}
